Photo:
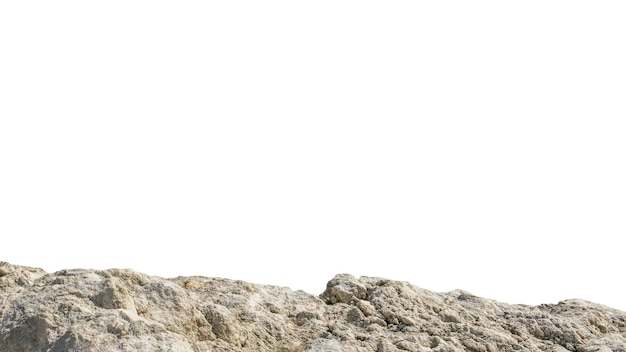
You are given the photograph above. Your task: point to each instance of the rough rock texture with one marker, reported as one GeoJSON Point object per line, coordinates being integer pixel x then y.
{"type": "Point", "coordinates": [121, 310]}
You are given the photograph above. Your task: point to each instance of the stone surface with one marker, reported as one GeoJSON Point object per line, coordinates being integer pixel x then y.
{"type": "Point", "coordinates": [121, 310]}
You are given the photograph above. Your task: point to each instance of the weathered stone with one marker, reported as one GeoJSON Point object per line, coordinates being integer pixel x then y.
{"type": "Point", "coordinates": [121, 310]}
{"type": "Point", "coordinates": [114, 296]}
{"type": "Point", "coordinates": [344, 288]}
{"type": "Point", "coordinates": [324, 345]}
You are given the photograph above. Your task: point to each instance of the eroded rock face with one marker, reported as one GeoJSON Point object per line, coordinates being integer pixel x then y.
{"type": "Point", "coordinates": [121, 310]}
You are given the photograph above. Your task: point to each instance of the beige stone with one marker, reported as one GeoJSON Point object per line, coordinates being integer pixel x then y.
{"type": "Point", "coordinates": [121, 310]}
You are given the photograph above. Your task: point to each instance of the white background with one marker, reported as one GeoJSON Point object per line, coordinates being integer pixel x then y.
{"type": "Point", "coordinates": [474, 145]}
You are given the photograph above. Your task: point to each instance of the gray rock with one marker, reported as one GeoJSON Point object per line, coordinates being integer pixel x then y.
{"type": "Point", "coordinates": [121, 310]}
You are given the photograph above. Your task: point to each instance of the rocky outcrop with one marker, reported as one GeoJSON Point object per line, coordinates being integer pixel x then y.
{"type": "Point", "coordinates": [121, 310]}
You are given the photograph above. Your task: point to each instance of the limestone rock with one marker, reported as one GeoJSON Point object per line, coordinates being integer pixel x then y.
{"type": "Point", "coordinates": [121, 310]}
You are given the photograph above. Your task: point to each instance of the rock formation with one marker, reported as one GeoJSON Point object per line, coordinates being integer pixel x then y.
{"type": "Point", "coordinates": [122, 310]}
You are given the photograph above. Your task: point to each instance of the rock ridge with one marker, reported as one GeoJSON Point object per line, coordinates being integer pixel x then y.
{"type": "Point", "coordinates": [123, 310]}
